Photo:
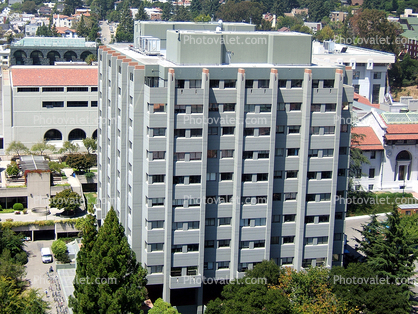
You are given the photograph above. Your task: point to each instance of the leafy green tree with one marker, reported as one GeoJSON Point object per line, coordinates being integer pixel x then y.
{"type": "Point", "coordinates": [67, 200]}
{"type": "Point", "coordinates": [43, 31]}
{"type": "Point", "coordinates": [41, 147]}
{"type": "Point", "coordinates": [125, 29]}
{"type": "Point", "coordinates": [71, 5]}
{"type": "Point", "coordinates": [325, 33]}
{"type": "Point", "coordinates": [202, 18]}
{"type": "Point", "coordinates": [11, 242]}
{"type": "Point", "coordinates": [162, 307]}
{"type": "Point", "coordinates": [29, 7]}
{"type": "Point", "coordinates": [368, 297]}
{"type": "Point", "coordinates": [113, 16]}
{"type": "Point", "coordinates": [82, 162]}
{"type": "Point", "coordinates": [181, 14]}
{"type": "Point", "coordinates": [196, 9]}
{"type": "Point", "coordinates": [69, 147]}
{"type": "Point", "coordinates": [90, 144]}
{"type": "Point", "coordinates": [17, 148]}
{"type": "Point", "coordinates": [94, 29]}
{"type": "Point", "coordinates": [55, 167]}
{"type": "Point", "coordinates": [12, 169]}
{"type": "Point", "coordinates": [89, 60]}
{"type": "Point", "coordinates": [241, 11]}
{"type": "Point", "coordinates": [59, 248]}
{"type": "Point", "coordinates": [112, 258]}
{"type": "Point", "coordinates": [357, 159]}
{"type": "Point", "coordinates": [167, 11]}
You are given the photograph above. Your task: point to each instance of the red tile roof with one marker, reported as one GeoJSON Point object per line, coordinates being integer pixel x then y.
{"type": "Point", "coordinates": [365, 101]}
{"type": "Point", "coordinates": [370, 140]}
{"type": "Point", "coordinates": [35, 76]}
{"type": "Point", "coordinates": [402, 132]}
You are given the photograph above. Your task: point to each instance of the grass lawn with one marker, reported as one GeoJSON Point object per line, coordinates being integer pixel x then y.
{"type": "Point", "coordinates": [7, 211]}
{"type": "Point", "coordinates": [91, 197]}
{"type": "Point", "coordinates": [366, 203]}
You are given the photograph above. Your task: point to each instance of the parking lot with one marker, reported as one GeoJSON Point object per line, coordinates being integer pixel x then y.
{"type": "Point", "coordinates": [36, 273]}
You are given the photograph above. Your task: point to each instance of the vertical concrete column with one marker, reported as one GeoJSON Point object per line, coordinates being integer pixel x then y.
{"type": "Point", "coordinates": [236, 205]}
{"type": "Point", "coordinates": [303, 168]}
{"type": "Point", "coordinates": [171, 100]}
{"type": "Point", "coordinates": [274, 86]}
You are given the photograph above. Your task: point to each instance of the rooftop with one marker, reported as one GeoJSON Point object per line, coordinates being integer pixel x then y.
{"type": "Point", "coordinates": [400, 118]}
{"type": "Point", "coordinates": [32, 162]}
{"type": "Point", "coordinates": [54, 76]}
{"type": "Point", "coordinates": [370, 141]}
{"type": "Point", "coordinates": [53, 42]}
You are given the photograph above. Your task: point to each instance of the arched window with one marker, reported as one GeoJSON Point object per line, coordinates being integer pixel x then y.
{"type": "Point", "coordinates": [94, 136]}
{"type": "Point", "coordinates": [53, 56]}
{"type": "Point", "coordinates": [20, 56]}
{"type": "Point", "coordinates": [53, 135]}
{"type": "Point", "coordinates": [36, 57]}
{"type": "Point", "coordinates": [70, 56]}
{"type": "Point", "coordinates": [76, 135]}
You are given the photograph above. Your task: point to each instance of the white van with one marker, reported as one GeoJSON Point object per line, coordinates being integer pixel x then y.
{"type": "Point", "coordinates": [46, 255]}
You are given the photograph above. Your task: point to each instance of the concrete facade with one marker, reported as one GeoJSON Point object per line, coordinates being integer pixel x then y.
{"type": "Point", "coordinates": [213, 167]}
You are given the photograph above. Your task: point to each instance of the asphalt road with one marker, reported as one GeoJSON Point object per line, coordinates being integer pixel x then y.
{"type": "Point", "coordinates": [106, 37]}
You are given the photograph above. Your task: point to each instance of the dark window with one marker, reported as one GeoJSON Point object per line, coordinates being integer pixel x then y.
{"type": "Point", "coordinates": [264, 131]}
{"type": "Point", "coordinates": [179, 133]}
{"type": "Point", "coordinates": [249, 132]}
{"type": "Point", "coordinates": [229, 83]}
{"type": "Point", "coordinates": [213, 130]}
{"type": "Point", "coordinates": [179, 109]}
{"type": "Point", "coordinates": [323, 218]}
{"type": "Point", "coordinates": [197, 108]}
{"type": "Point", "coordinates": [249, 83]}
{"type": "Point", "coordinates": [27, 89]}
{"type": "Point", "coordinates": [309, 219]}
{"type": "Point", "coordinates": [212, 153]}
{"type": "Point", "coordinates": [178, 179]}
{"type": "Point", "coordinates": [52, 104]}
{"type": "Point", "coordinates": [93, 89]}
{"type": "Point", "coordinates": [277, 197]}
{"type": "Point", "coordinates": [263, 83]}
{"type": "Point", "coordinates": [310, 197]}
{"type": "Point", "coordinates": [247, 177]}
{"type": "Point", "coordinates": [53, 89]}
{"type": "Point", "coordinates": [328, 83]}
{"type": "Point", "coordinates": [72, 104]}
{"type": "Point", "coordinates": [263, 154]}
{"type": "Point", "coordinates": [296, 83]}
{"type": "Point", "coordinates": [77, 89]}
{"type": "Point", "coordinates": [373, 154]}
{"type": "Point", "coordinates": [326, 174]}
{"type": "Point", "coordinates": [229, 107]}
{"type": "Point", "coordinates": [262, 176]}
{"type": "Point", "coordinates": [93, 103]}
{"type": "Point", "coordinates": [175, 271]}
{"type": "Point", "coordinates": [179, 84]}
{"type": "Point", "coordinates": [371, 173]}
{"type": "Point", "coordinates": [259, 243]}
{"type": "Point", "coordinates": [229, 130]}
{"type": "Point", "coordinates": [282, 83]}
{"type": "Point", "coordinates": [213, 107]}
{"type": "Point", "coordinates": [247, 155]}
{"type": "Point", "coordinates": [196, 132]}
{"type": "Point", "coordinates": [291, 174]}
{"type": "Point", "coordinates": [194, 179]}
{"type": "Point", "coordinates": [315, 108]}
{"type": "Point", "coordinates": [226, 176]}
{"type": "Point", "coordinates": [289, 218]}
{"type": "Point", "coordinates": [210, 243]}
{"type": "Point", "coordinates": [287, 240]}
{"type": "Point", "coordinates": [265, 108]}
{"type": "Point", "coordinates": [311, 175]}
{"type": "Point", "coordinates": [214, 84]}
{"type": "Point", "coordinates": [295, 106]}
{"type": "Point", "coordinates": [330, 107]}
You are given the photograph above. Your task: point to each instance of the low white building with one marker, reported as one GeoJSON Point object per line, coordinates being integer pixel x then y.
{"type": "Point", "coordinates": [369, 66]}
{"type": "Point", "coordinates": [51, 103]}
{"type": "Point", "coordinates": [390, 143]}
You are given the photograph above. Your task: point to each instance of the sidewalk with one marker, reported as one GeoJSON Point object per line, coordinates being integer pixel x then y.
{"type": "Point", "coordinates": [75, 184]}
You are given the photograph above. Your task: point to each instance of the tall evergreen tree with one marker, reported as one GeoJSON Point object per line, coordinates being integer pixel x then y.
{"type": "Point", "coordinates": [116, 280]}
{"type": "Point", "coordinates": [82, 30]}
{"type": "Point", "coordinates": [125, 30]}
{"type": "Point", "coordinates": [141, 15]}
{"type": "Point", "coordinates": [167, 11]}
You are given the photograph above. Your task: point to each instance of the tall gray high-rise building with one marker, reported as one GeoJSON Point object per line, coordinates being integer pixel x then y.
{"type": "Point", "coordinates": [223, 150]}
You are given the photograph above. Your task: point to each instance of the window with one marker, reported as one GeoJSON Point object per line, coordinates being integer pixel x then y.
{"type": "Point", "coordinates": [309, 240]}
{"type": "Point", "coordinates": [329, 129]}
{"type": "Point", "coordinates": [226, 176]}
{"type": "Point", "coordinates": [315, 108]}
{"type": "Point", "coordinates": [377, 75]}
{"type": "Point", "coordinates": [356, 88]}
{"type": "Point", "coordinates": [261, 199]}
{"type": "Point", "coordinates": [282, 83]}
{"type": "Point", "coordinates": [288, 239]}
{"type": "Point", "coordinates": [247, 177]}
{"type": "Point", "coordinates": [296, 83]}
{"type": "Point", "coordinates": [310, 197]}
{"type": "Point", "coordinates": [313, 153]}
{"type": "Point", "coordinates": [292, 151]}
{"type": "Point", "coordinates": [249, 108]}
{"type": "Point", "coordinates": [179, 109]}
{"type": "Point", "coordinates": [228, 130]}
{"type": "Point", "coordinates": [158, 155]}
{"type": "Point", "coordinates": [209, 244]}
{"type": "Point", "coordinates": [263, 154]}
{"type": "Point", "coordinates": [156, 247]}
{"type": "Point", "coordinates": [197, 108]}
{"type": "Point", "coordinates": [192, 247]}
{"type": "Point", "coordinates": [322, 240]}
{"type": "Point", "coordinates": [278, 174]}
{"type": "Point", "coordinates": [311, 175]}
{"type": "Point", "coordinates": [178, 180]}
{"type": "Point", "coordinates": [339, 216]}
{"type": "Point", "coordinates": [72, 104]}
{"type": "Point", "coordinates": [343, 151]}
{"type": "Point", "coordinates": [229, 83]}
{"type": "Point", "coordinates": [265, 108]}
{"type": "Point", "coordinates": [287, 261]}
{"type": "Point", "coordinates": [155, 269]}
{"type": "Point", "coordinates": [209, 221]}
{"type": "Point", "coordinates": [93, 103]}
{"type": "Point", "coordinates": [196, 156]}
{"type": "Point", "coordinates": [211, 176]}
{"type": "Point", "coordinates": [196, 133]}
{"type": "Point", "coordinates": [371, 173]}
{"type": "Point", "coordinates": [52, 104]}
{"type": "Point", "coordinates": [195, 83]}
{"type": "Point", "coordinates": [289, 218]}
{"type": "Point", "coordinates": [328, 83]}
{"type": "Point", "coordinates": [295, 106]}
{"type": "Point", "coordinates": [191, 271]}
{"type": "Point", "coordinates": [156, 178]}
{"type": "Point", "coordinates": [214, 84]}
{"type": "Point", "coordinates": [294, 129]}
{"type": "Point", "coordinates": [179, 156]}
{"type": "Point", "coordinates": [179, 84]}
{"type": "Point", "coordinates": [213, 107]}
{"type": "Point", "coordinates": [158, 131]}
{"type": "Point", "coordinates": [262, 176]}
{"type": "Point", "coordinates": [327, 153]}
{"type": "Point", "coordinates": [309, 219]}
{"type": "Point", "coordinates": [227, 153]}
{"type": "Point", "coordinates": [323, 218]}
{"type": "Point", "coordinates": [277, 196]}
{"type": "Point", "coordinates": [208, 265]}
{"type": "Point", "coordinates": [54, 89]}
{"type": "Point", "coordinates": [279, 129]}
{"type": "Point", "coordinates": [373, 154]}
{"type": "Point", "coordinates": [175, 271]}
{"type": "Point", "coordinates": [158, 224]}
{"type": "Point", "coordinates": [224, 221]}
{"type": "Point", "coordinates": [259, 222]}
{"type": "Point", "coordinates": [159, 107]}
{"type": "Point", "coordinates": [212, 130]}
{"type": "Point", "coordinates": [229, 107]}
{"type": "Point", "coordinates": [93, 89]}
{"type": "Point", "coordinates": [290, 196]}
{"type": "Point", "coordinates": [324, 197]}
{"type": "Point", "coordinates": [263, 131]}
{"type": "Point", "coordinates": [212, 153]}
{"type": "Point", "coordinates": [247, 155]}
{"type": "Point", "coordinates": [330, 107]}
{"type": "Point", "coordinates": [259, 243]}
{"type": "Point", "coordinates": [326, 174]}
{"type": "Point", "coordinates": [341, 172]}
{"type": "Point", "coordinates": [159, 201]}
{"type": "Point", "coordinates": [279, 152]}
{"type": "Point", "coordinates": [245, 222]}
{"type": "Point", "coordinates": [344, 128]}
{"type": "Point", "coordinates": [291, 174]}
{"type": "Point", "coordinates": [249, 132]}
{"type": "Point", "coordinates": [27, 89]}
{"type": "Point", "coordinates": [249, 83]}
{"type": "Point", "coordinates": [194, 179]}
{"type": "Point", "coordinates": [222, 265]}
{"type": "Point", "coordinates": [314, 130]}
{"type": "Point", "coordinates": [177, 225]}
{"type": "Point", "coordinates": [77, 89]}
{"type": "Point", "coordinates": [224, 243]}
{"type": "Point", "coordinates": [179, 133]}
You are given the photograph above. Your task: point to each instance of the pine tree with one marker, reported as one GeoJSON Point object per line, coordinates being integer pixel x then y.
{"type": "Point", "coordinates": [167, 11]}
{"type": "Point", "coordinates": [82, 29]}
{"type": "Point", "coordinates": [141, 15]}
{"type": "Point", "coordinates": [125, 30]}
{"type": "Point", "coordinates": [116, 280]}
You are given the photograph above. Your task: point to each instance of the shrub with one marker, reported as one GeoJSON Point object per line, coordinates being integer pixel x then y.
{"type": "Point", "coordinates": [60, 251]}
{"type": "Point", "coordinates": [21, 258]}
{"type": "Point", "coordinates": [89, 175]}
{"type": "Point", "coordinates": [18, 206]}
{"type": "Point", "coordinates": [12, 169]}
{"type": "Point", "coordinates": [1, 208]}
